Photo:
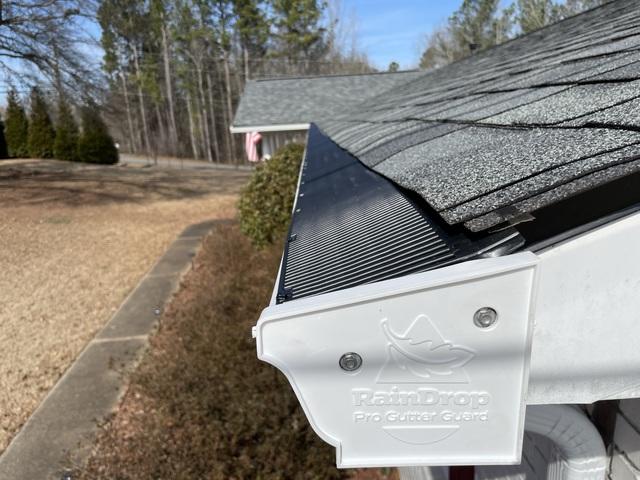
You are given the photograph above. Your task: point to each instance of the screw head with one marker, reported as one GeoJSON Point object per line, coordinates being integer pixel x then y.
{"type": "Point", "coordinates": [350, 362]}
{"type": "Point", "coordinates": [485, 317]}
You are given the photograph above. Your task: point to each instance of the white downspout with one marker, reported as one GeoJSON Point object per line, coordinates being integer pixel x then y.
{"type": "Point", "coordinates": [580, 452]}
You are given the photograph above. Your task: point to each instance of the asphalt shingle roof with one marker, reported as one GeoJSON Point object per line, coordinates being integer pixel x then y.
{"type": "Point", "coordinates": [511, 129]}
{"type": "Point", "coordinates": [286, 101]}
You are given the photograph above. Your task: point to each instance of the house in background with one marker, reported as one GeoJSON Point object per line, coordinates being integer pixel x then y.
{"type": "Point", "coordinates": [280, 110]}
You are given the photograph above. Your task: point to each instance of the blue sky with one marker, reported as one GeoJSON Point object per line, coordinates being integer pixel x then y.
{"type": "Point", "coordinates": [393, 29]}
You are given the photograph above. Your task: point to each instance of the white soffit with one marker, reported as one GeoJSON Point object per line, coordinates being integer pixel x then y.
{"type": "Point", "coordinates": [270, 128]}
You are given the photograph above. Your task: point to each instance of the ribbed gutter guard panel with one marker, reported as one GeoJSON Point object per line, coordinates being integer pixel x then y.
{"type": "Point", "coordinates": [352, 226]}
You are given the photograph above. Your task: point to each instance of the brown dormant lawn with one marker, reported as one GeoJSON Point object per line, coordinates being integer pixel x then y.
{"type": "Point", "coordinates": [74, 241]}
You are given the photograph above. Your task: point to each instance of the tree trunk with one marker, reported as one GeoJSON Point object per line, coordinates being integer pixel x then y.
{"type": "Point", "coordinates": [203, 115]}
{"type": "Point", "coordinates": [214, 124]}
{"type": "Point", "coordinates": [133, 144]}
{"type": "Point", "coordinates": [225, 129]}
{"type": "Point", "coordinates": [192, 128]}
{"type": "Point", "coordinates": [173, 128]}
{"type": "Point", "coordinates": [163, 131]}
{"type": "Point", "coordinates": [247, 73]}
{"type": "Point", "coordinates": [143, 110]}
{"type": "Point", "coordinates": [227, 78]}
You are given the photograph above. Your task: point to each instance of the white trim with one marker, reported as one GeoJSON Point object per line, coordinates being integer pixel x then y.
{"type": "Point", "coordinates": [586, 344]}
{"type": "Point", "coordinates": [270, 128]}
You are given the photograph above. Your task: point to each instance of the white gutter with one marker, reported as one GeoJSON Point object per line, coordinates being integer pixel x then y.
{"type": "Point", "coordinates": [429, 375]}
{"type": "Point", "coordinates": [270, 128]}
{"type": "Point", "coordinates": [274, 294]}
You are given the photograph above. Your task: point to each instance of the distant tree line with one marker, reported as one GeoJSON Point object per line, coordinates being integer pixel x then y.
{"type": "Point", "coordinates": [173, 70]}
{"type": "Point", "coordinates": [33, 133]}
{"type": "Point", "coordinates": [43, 42]}
{"type": "Point", "coordinates": [480, 24]}
{"type": "Point", "coordinates": [176, 68]}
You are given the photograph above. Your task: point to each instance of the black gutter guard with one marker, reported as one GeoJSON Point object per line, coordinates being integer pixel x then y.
{"type": "Point", "coordinates": [352, 226]}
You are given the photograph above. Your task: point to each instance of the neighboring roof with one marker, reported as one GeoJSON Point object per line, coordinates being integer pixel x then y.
{"type": "Point", "coordinates": [301, 100]}
{"type": "Point", "coordinates": [512, 129]}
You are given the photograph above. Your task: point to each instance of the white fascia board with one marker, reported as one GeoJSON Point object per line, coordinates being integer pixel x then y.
{"type": "Point", "coordinates": [586, 344]}
{"type": "Point", "coordinates": [270, 128]}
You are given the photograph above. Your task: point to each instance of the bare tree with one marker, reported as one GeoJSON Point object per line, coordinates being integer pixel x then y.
{"type": "Point", "coordinates": [42, 38]}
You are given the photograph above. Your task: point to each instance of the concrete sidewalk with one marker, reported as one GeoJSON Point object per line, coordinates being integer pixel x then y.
{"type": "Point", "coordinates": [62, 430]}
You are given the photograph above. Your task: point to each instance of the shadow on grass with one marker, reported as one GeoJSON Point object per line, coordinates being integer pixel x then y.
{"type": "Point", "coordinates": [38, 182]}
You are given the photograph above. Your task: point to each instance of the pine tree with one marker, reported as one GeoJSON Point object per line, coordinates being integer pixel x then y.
{"type": "Point", "coordinates": [298, 32]}
{"type": "Point", "coordinates": [95, 144]}
{"type": "Point", "coordinates": [535, 14]}
{"type": "Point", "coordinates": [475, 26]}
{"type": "Point", "coordinates": [472, 25]}
{"type": "Point", "coordinates": [65, 146]}
{"type": "Point", "coordinates": [41, 131]}
{"type": "Point", "coordinates": [252, 26]}
{"type": "Point", "coordinates": [16, 129]}
{"type": "Point", "coordinates": [480, 24]}
{"type": "Point", "coordinates": [573, 7]}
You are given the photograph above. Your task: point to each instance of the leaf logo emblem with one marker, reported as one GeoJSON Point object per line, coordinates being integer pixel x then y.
{"type": "Point", "coordinates": [422, 355]}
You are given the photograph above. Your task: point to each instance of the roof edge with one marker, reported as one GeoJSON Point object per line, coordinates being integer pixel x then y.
{"type": "Point", "coordinates": [269, 128]}
{"type": "Point", "coordinates": [334, 75]}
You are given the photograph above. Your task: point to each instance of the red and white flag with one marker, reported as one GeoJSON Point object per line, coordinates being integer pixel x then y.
{"type": "Point", "coordinates": [251, 142]}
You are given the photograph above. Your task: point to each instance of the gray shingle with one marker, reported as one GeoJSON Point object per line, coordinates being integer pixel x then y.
{"type": "Point", "coordinates": [548, 197]}
{"type": "Point", "coordinates": [570, 103]}
{"type": "Point", "coordinates": [471, 163]}
{"type": "Point", "coordinates": [544, 182]}
{"type": "Point", "coordinates": [309, 99]}
{"type": "Point", "coordinates": [627, 113]}
{"type": "Point", "coordinates": [513, 128]}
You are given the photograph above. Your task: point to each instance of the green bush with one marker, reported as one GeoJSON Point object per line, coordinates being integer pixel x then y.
{"type": "Point", "coordinates": [41, 131]}
{"type": "Point", "coordinates": [266, 202]}
{"type": "Point", "coordinates": [65, 146]}
{"type": "Point", "coordinates": [95, 144]}
{"type": "Point", "coordinates": [16, 129]}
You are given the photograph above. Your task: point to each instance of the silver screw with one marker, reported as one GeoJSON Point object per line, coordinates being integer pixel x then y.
{"type": "Point", "coordinates": [350, 362]}
{"type": "Point", "coordinates": [485, 317]}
